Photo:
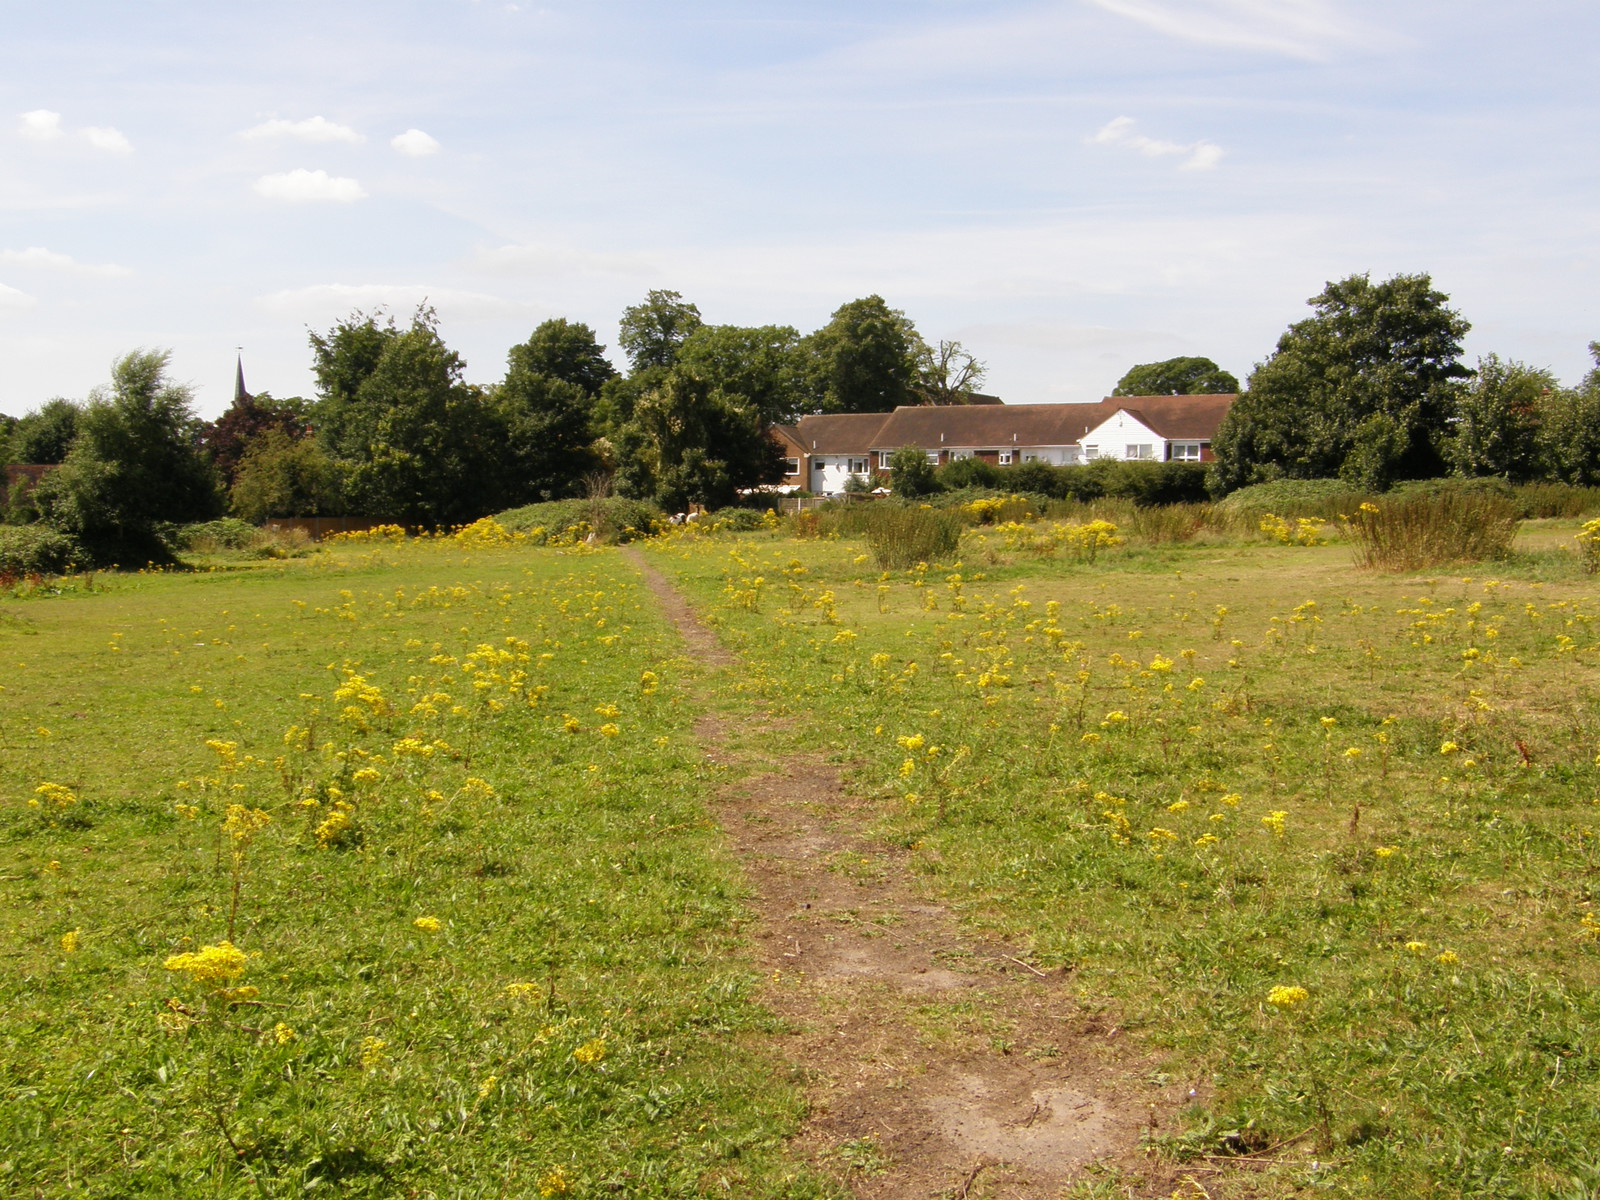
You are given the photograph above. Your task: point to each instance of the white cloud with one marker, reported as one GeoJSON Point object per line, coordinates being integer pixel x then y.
{"type": "Point", "coordinates": [415, 143]}
{"type": "Point", "coordinates": [302, 186]}
{"type": "Point", "coordinates": [103, 137]}
{"type": "Point", "coordinates": [12, 300]}
{"type": "Point", "coordinates": [333, 300]}
{"type": "Point", "coordinates": [1296, 28]}
{"type": "Point", "coordinates": [1202, 155]}
{"type": "Point", "coordinates": [41, 125]}
{"type": "Point", "coordinates": [312, 129]}
{"type": "Point", "coordinates": [38, 256]}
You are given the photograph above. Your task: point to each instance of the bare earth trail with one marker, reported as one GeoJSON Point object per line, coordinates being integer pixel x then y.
{"type": "Point", "coordinates": [936, 1064]}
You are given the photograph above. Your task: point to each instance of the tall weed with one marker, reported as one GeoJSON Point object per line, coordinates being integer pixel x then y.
{"type": "Point", "coordinates": [1429, 530]}
{"type": "Point", "coordinates": [901, 537]}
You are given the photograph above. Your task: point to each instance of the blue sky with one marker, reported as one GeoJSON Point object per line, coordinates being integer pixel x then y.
{"type": "Point", "coordinates": [1067, 187]}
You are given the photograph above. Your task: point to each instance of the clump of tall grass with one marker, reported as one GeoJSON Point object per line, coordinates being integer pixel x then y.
{"type": "Point", "coordinates": [900, 537]}
{"type": "Point", "coordinates": [1411, 533]}
{"type": "Point", "coordinates": [1168, 524]}
{"type": "Point", "coordinates": [1556, 500]}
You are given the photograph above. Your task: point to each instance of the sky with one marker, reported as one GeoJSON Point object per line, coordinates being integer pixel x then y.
{"type": "Point", "coordinates": [1067, 187]}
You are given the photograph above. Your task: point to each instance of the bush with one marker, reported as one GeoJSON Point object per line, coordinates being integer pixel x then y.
{"type": "Point", "coordinates": [1536, 500]}
{"type": "Point", "coordinates": [911, 474]}
{"type": "Point", "coordinates": [1432, 528]}
{"type": "Point", "coordinates": [1159, 525]}
{"type": "Point", "coordinates": [900, 536]}
{"type": "Point", "coordinates": [969, 473]}
{"type": "Point", "coordinates": [37, 550]}
{"type": "Point", "coordinates": [1325, 498]}
{"type": "Point", "coordinates": [739, 520]}
{"type": "Point", "coordinates": [623, 519]}
{"type": "Point", "coordinates": [229, 533]}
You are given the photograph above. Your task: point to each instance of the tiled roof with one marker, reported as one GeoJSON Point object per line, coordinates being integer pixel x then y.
{"type": "Point", "coordinates": [1174, 416]}
{"type": "Point", "coordinates": [837, 433]}
{"type": "Point", "coordinates": [979, 426]}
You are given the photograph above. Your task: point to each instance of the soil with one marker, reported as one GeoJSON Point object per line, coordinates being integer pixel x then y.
{"type": "Point", "coordinates": [938, 1063]}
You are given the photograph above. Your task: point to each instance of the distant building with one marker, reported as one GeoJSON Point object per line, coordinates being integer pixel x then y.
{"type": "Point", "coordinates": [822, 452]}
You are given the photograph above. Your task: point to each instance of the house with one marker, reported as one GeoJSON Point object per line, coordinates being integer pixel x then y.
{"type": "Point", "coordinates": [824, 451]}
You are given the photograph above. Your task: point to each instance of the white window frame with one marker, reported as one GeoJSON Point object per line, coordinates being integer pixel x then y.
{"type": "Point", "coordinates": [791, 466]}
{"type": "Point", "coordinates": [1006, 457]}
{"type": "Point", "coordinates": [857, 466]}
{"type": "Point", "coordinates": [1143, 452]}
{"type": "Point", "coordinates": [933, 457]}
{"type": "Point", "coordinates": [883, 460]}
{"type": "Point", "coordinates": [1187, 452]}
{"type": "Point", "coordinates": [1090, 453]}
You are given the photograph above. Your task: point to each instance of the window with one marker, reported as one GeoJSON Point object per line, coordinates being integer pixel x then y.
{"type": "Point", "coordinates": [1144, 451]}
{"type": "Point", "coordinates": [958, 455]}
{"type": "Point", "coordinates": [857, 466]}
{"type": "Point", "coordinates": [883, 460]}
{"type": "Point", "coordinates": [933, 457]}
{"type": "Point", "coordinates": [1185, 451]}
{"type": "Point", "coordinates": [1005, 458]}
{"type": "Point", "coordinates": [1030, 458]}
{"type": "Point", "coordinates": [1090, 453]}
{"type": "Point", "coordinates": [791, 466]}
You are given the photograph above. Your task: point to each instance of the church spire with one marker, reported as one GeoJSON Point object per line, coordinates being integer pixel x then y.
{"type": "Point", "coordinates": [239, 394]}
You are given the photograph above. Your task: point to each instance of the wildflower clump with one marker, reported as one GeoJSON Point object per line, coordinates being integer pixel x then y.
{"type": "Point", "coordinates": [1589, 546]}
{"type": "Point", "coordinates": [211, 966]}
{"type": "Point", "coordinates": [1287, 998]}
{"type": "Point", "coordinates": [54, 795]}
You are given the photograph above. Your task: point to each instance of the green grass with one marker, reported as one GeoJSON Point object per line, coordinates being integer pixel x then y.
{"type": "Point", "coordinates": [582, 864]}
{"type": "Point", "coordinates": [1095, 760]}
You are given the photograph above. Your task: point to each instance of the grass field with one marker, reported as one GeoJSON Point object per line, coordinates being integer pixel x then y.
{"type": "Point", "coordinates": [1325, 840]}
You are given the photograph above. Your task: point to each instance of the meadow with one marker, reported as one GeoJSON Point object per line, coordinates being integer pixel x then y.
{"type": "Point", "coordinates": [393, 870]}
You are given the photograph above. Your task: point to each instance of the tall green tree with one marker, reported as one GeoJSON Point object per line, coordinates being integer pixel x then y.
{"type": "Point", "coordinates": [1497, 420]}
{"type": "Point", "coordinates": [652, 331]}
{"type": "Point", "coordinates": [548, 423]}
{"type": "Point", "coordinates": [281, 475]}
{"type": "Point", "coordinates": [227, 438]}
{"type": "Point", "coordinates": [1177, 377]}
{"type": "Point", "coordinates": [44, 435]}
{"type": "Point", "coordinates": [1363, 390]}
{"type": "Point", "coordinates": [864, 359]}
{"type": "Point", "coordinates": [415, 443]}
{"type": "Point", "coordinates": [762, 365]}
{"type": "Point", "coordinates": [690, 443]}
{"type": "Point", "coordinates": [565, 350]}
{"type": "Point", "coordinates": [1569, 430]}
{"type": "Point", "coordinates": [134, 464]}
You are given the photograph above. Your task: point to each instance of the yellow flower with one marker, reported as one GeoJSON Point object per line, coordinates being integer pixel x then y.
{"type": "Point", "coordinates": [1177, 806]}
{"type": "Point", "coordinates": [1447, 957]}
{"type": "Point", "coordinates": [555, 1182]}
{"type": "Point", "coordinates": [282, 1034]}
{"type": "Point", "coordinates": [570, 723]}
{"type": "Point", "coordinates": [1417, 947]}
{"type": "Point", "coordinates": [1274, 821]}
{"type": "Point", "coordinates": [487, 1086]}
{"type": "Point", "coordinates": [1448, 748]}
{"type": "Point", "coordinates": [57, 794]}
{"type": "Point", "coordinates": [373, 1053]}
{"type": "Point", "coordinates": [428, 924]}
{"type": "Point", "coordinates": [69, 941]}
{"type": "Point", "coordinates": [1287, 997]}
{"type": "Point", "coordinates": [609, 730]}
{"type": "Point", "coordinates": [1328, 722]}
{"type": "Point", "coordinates": [219, 964]}
{"type": "Point", "coordinates": [522, 991]}
{"type": "Point", "coordinates": [1384, 851]}
{"type": "Point", "coordinates": [53, 866]}
{"type": "Point", "coordinates": [608, 710]}
{"type": "Point", "coordinates": [366, 775]}
{"type": "Point", "coordinates": [912, 743]}
{"type": "Point", "coordinates": [591, 1051]}
{"type": "Point", "coordinates": [1206, 839]}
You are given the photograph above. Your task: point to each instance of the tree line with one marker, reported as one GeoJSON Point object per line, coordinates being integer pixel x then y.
{"type": "Point", "coordinates": [395, 431]}
{"type": "Point", "coordinates": [1371, 388]}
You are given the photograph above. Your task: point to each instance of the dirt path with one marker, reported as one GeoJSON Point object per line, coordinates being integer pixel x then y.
{"type": "Point", "coordinates": [937, 1065]}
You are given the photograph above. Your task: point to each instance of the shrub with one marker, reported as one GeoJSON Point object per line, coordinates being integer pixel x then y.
{"type": "Point", "coordinates": [1325, 498]}
{"type": "Point", "coordinates": [969, 473]}
{"type": "Point", "coordinates": [37, 550]}
{"type": "Point", "coordinates": [900, 536]}
{"type": "Point", "coordinates": [739, 520]}
{"type": "Point", "coordinates": [1428, 529]}
{"type": "Point", "coordinates": [228, 533]}
{"type": "Point", "coordinates": [1589, 546]}
{"type": "Point", "coordinates": [911, 474]}
{"type": "Point", "coordinates": [1152, 483]}
{"type": "Point", "coordinates": [1167, 524]}
{"type": "Point", "coordinates": [625, 519]}
{"type": "Point", "coordinates": [1536, 500]}
{"type": "Point", "coordinates": [1039, 478]}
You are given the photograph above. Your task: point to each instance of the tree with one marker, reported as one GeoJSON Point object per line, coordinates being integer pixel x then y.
{"type": "Point", "coordinates": [864, 359]}
{"type": "Point", "coordinates": [415, 443]}
{"type": "Point", "coordinates": [911, 474]}
{"type": "Point", "coordinates": [690, 443]}
{"type": "Point", "coordinates": [547, 423]}
{"type": "Point", "coordinates": [565, 350]}
{"type": "Point", "coordinates": [281, 475]}
{"type": "Point", "coordinates": [947, 373]}
{"type": "Point", "coordinates": [1569, 430]}
{"type": "Point", "coordinates": [227, 438]}
{"type": "Point", "coordinates": [1177, 377]}
{"type": "Point", "coordinates": [1363, 390]}
{"type": "Point", "coordinates": [761, 365]}
{"type": "Point", "coordinates": [652, 331]}
{"type": "Point", "coordinates": [1497, 421]}
{"type": "Point", "coordinates": [45, 435]}
{"type": "Point", "coordinates": [134, 464]}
